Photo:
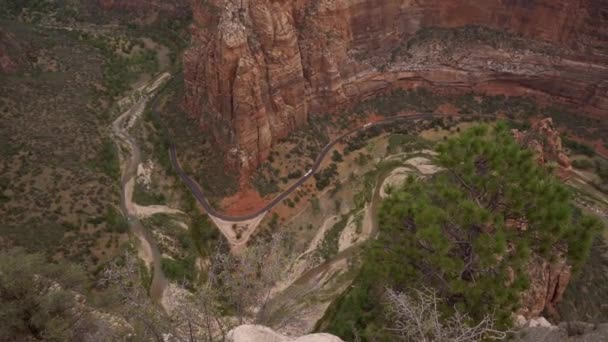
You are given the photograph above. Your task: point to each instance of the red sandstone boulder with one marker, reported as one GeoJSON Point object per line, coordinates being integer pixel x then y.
{"type": "Point", "coordinates": [548, 282]}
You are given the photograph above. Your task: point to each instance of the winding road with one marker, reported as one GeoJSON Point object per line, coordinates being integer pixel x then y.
{"type": "Point", "coordinates": [198, 193]}
{"type": "Point", "coordinates": [120, 129]}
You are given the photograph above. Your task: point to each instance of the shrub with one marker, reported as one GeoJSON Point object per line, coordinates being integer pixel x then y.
{"type": "Point", "coordinates": [583, 164]}
{"type": "Point", "coordinates": [142, 196]}
{"type": "Point", "coordinates": [107, 160]}
{"type": "Point", "coordinates": [336, 157]}
{"type": "Point", "coordinates": [115, 222]}
{"type": "Point", "coordinates": [265, 185]}
{"type": "Point", "coordinates": [578, 148]}
{"type": "Point", "coordinates": [179, 269]}
{"type": "Point", "coordinates": [295, 174]}
{"type": "Point", "coordinates": [324, 178]}
{"type": "Point", "coordinates": [330, 244]}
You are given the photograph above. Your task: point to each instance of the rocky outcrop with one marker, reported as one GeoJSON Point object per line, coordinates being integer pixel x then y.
{"type": "Point", "coordinates": [257, 69]}
{"type": "Point", "coordinates": [564, 332]}
{"type": "Point", "coordinates": [258, 333]}
{"type": "Point", "coordinates": [545, 141]}
{"type": "Point", "coordinates": [548, 282]}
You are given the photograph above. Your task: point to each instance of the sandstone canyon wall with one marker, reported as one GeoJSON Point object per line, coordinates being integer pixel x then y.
{"type": "Point", "coordinates": [257, 69]}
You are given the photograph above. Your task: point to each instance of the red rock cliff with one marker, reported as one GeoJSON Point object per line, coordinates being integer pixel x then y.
{"type": "Point", "coordinates": [256, 69]}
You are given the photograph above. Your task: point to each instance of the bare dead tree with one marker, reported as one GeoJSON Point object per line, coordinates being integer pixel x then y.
{"type": "Point", "coordinates": [247, 279]}
{"type": "Point", "coordinates": [415, 317]}
{"type": "Point", "coordinates": [149, 320]}
{"type": "Point", "coordinates": [198, 316]}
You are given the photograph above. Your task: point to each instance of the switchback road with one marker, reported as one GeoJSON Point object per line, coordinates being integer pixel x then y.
{"type": "Point", "coordinates": [200, 196]}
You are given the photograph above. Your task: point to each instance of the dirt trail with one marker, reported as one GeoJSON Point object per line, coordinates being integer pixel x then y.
{"type": "Point", "coordinates": [147, 211]}
{"type": "Point", "coordinates": [325, 280]}
{"type": "Point", "coordinates": [147, 249]}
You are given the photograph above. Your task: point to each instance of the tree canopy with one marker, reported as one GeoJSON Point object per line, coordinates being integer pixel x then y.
{"type": "Point", "coordinates": [469, 232]}
{"type": "Point", "coordinates": [37, 301]}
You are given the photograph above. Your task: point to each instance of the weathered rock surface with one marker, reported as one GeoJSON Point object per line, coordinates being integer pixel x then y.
{"type": "Point", "coordinates": [259, 333]}
{"type": "Point", "coordinates": [537, 331]}
{"type": "Point", "coordinates": [545, 141]}
{"type": "Point", "coordinates": [565, 332]}
{"type": "Point", "coordinates": [548, 282]}
{"type": "Point", "coordinates": [257, 69]}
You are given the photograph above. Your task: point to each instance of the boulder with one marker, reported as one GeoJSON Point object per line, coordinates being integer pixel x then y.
{"type": "Point", "coordinates": [259, 333]}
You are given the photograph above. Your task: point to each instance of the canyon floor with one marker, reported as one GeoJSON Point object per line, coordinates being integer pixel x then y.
{"type": "Point", "coordinates": [87, 174]}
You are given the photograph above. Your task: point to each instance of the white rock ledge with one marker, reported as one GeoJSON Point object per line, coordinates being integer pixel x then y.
{"type": "Point", "coordinates": [259, 333]}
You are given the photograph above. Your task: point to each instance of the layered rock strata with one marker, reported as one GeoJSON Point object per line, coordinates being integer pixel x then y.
{"type": "Point", "coordinates": [257, 69]}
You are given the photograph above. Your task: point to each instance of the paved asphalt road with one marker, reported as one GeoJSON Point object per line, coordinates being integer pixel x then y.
{"type": "Point", "coordinates": [200, 196]}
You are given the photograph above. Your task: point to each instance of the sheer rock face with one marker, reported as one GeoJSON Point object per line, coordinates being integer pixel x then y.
{"type": "Point", "coordinates": [257, 69]}
{"type": "Point", "coordinates": [548, 282]}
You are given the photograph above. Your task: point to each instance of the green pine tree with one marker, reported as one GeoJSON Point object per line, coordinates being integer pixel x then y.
{"type": "Point", "coordinates": [469, 232]}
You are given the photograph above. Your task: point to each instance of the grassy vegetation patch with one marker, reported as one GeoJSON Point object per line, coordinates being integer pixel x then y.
{"type": "Point", "coordinates": [35, 10]}
{"type": "Point", "coordinates": [576, 147]}
{"type": "Point", "coordinates": [585, 296]}
{"type": "Point", "coordinates": [61, 166]}
{"type": "Point", "coordinates": [601, 169]}
{"type": "Point", "coordinates": [144, 196]}
{"type": "Point", "coordinates": [400, 100]}
{"type": "Point", "coordinates": [115, 222]}
{"type": "Point", "coordinates": [198, 155]}
{"type": "Point", "coordinates": [160, 140]}
{"type": "Point", "coordinates": [265, 180]}
{"type": "Point", "coordinates": [576, 123]}
{"type": "Point", "coordinates": [179, 270]}
{"type": "Point", "coordinates": [35, 235]}
{"type": "Point", "coordinates": [583, 164]}
{"type": "Point", "coordinates": [326, 176]}
{"type": "Point", "coordinates": [181, 246]}
{"type": "Point", "coordinates": [398, 143]}
{"type": "Point", "coordinates": [123, 64]}
{"type": "Point", "coordinates": [454, 37]}
{"type": "Point", "coordinates": [330, 245]}
{"type": "Point", "coordinates": [107, 160]}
